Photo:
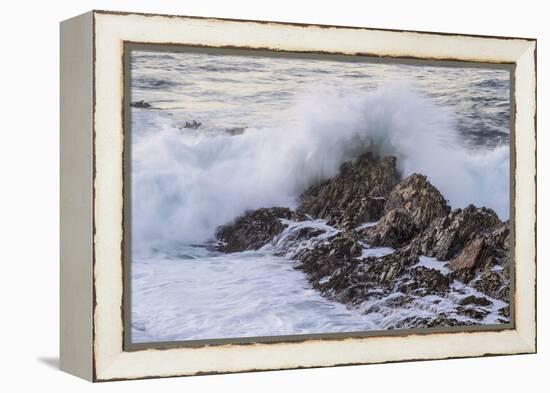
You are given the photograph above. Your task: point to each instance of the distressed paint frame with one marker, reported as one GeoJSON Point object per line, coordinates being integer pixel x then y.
{"type": "Point", "coordinates": [109, 360]}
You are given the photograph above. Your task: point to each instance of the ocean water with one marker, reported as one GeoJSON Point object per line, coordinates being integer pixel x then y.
{"type": "Point", "coordinates": [296, 121]}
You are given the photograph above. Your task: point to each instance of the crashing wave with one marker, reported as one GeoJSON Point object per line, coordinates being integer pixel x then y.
{"type": "Point", "coordinates": [185, 185]}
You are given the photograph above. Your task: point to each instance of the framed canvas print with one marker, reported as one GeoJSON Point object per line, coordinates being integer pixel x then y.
{"type": "Point", "coordinates": [245, 195]}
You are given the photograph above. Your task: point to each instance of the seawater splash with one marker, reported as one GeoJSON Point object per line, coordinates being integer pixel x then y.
{"type": "Point", "coordinates": [186, 183]}
{"type": "Point", "coordinates": [191, 293]}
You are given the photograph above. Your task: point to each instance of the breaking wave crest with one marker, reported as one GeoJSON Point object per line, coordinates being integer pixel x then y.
{"type": "Point", "coordinates": [187, 183]}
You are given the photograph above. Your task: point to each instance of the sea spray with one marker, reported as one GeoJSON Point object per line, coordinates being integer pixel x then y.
{"type": "Point", "coordinates": [185, 183]}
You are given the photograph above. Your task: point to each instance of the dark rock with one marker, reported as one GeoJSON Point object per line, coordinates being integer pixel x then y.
{"type": "Point", "coordinates": [441, 320]}
{"type": "Point", "coordinates": [427, 281]}
{"type": "Point", "coordinates": [464, 275]}
{"type": "Point", "coordinates": [140, 104]}
{"type": "Point", "coordinates": [235, 130]}
{"type": "Point", "coordinates": [499, 237]}
{"type": "Point", "coordinates": [505, 312]}
{"type": "Point", "coordinates": [356, 195]}
{"type": "Point", "coordinates": [479, 258]}
{"type": "Point", "coordinates": [447, 236]}
{"type": "Point", "coordinates": [475, 256]}
{"type": "Point", "coordinates": [410, 207]}
{"type": "Point", "coordinates": [493, 284]}
{"type": "Point", "coordinates": [253, 230]}
{"type": "Point", "coordinates": [335, 269]}
{"type": "Point", "coordinates": [329, 256]}
{"type": "Point", "coordinates": [419, 198]}
{"type": "Point", "coordinates": [393, 230]}
{"type": "Point", "coordinates": [192, 124]}
{"type": "Point", "coordinates": [499, 241]}
{"type": "Point", "coordinates": [472, 312]}
{"type": "Point", "coordinates": [394, 302]}
{"type": "Point", "coordinates": [307, 233]}
{"type": "Point", "coordinates": [384, 270]}
{"type": "Point", "coordinates": [480, 301]}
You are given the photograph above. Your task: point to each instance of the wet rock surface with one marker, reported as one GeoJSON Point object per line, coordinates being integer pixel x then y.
{"type": "Point", "coordinates": [192, 124]}
{"type": "Point", "coordinates": [428, 281]}
{"type": "Point", "coordinates": [253, 230]}
{"type": "Point", "coordinates": [441, 320]}
{"type": "Point", "coordinates": [494, 284]}
{"type": "Point", "coordinates": [394, 229]}
{"type": "Point", "coordinates": [419, 198]}
{"type": "Point", "coordinates": [472, 299]}
{"type": "Point", "coordinates": [356, 195]}
{"type": "Point", "coordinates": [476, 254]}
{"type": "Point", "coordinates": [446, 236]}
{"type": "Point", "coordinates": [410, 207]}
{"type": "Point", "coordinates": [469, 272]}
{"type": "Point", "coordinates": [140, 104]}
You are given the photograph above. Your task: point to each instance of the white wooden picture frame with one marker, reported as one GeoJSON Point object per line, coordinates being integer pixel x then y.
{"type": "Point", "coordinates": [92, 195]}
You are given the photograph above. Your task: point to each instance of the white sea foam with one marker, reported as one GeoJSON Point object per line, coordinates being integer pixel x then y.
{"type": "Point", "coordinates": [186, 183]}
{"type": "Point", "coordinates": [191, 294]}
{"type": "Point", "coordinates": [236, 295]}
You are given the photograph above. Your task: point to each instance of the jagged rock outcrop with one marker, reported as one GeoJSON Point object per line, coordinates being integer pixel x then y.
{"type": "Point", "coordinates": [480, 301]}
{"type": "Point", "coordinates": [410, 207]}
{"type": "Point", "coordinates": [494, 284]}
{"type": "Point", "coordinates": [337, 271]}
{"type": "Point", "coordinates": [499, 241]}
{"type": "Point", "coordinates": [418, 197]}
{"type": "Point", "coordinates": [425, 281]}
{"type": "Point", "coordinates": [356, 195]}
{"type": "Point", "coordinates": [476, 255]}
{"type": "Point", "coordinates": [329, 256]}
{"type": "Point", "coordinates": [448, 235]}
{"type": "Point", "coordinates": [254, 229]}
{"type": "Point", "coordinates": [140, 104]}
{"type": "Point", "coordinates": [394, 229]}
{"type": "Point", "coordinates": [486, 259]}
{"type": "Point", "coordinates": [192, 124]}
{"type": "Point", "coordinates": [414, 219]}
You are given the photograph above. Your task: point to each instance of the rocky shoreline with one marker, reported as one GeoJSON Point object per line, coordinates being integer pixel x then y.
{"type": "Point", "coordinates": [379, 243]}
